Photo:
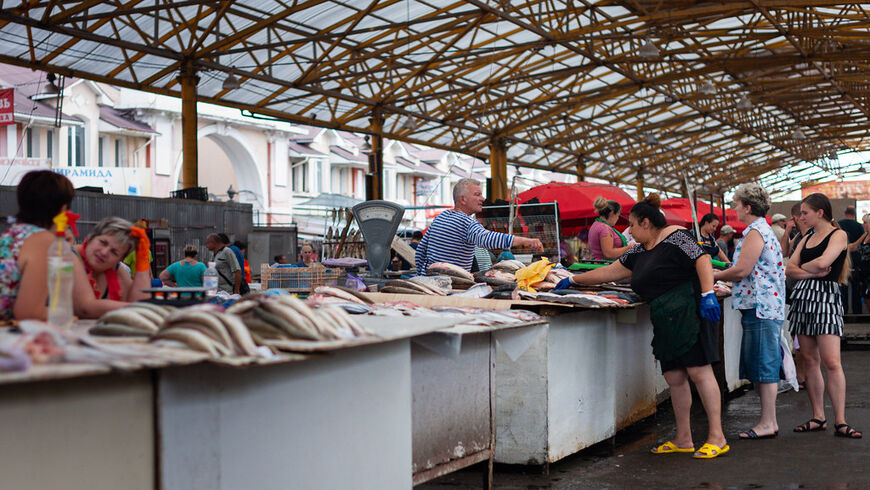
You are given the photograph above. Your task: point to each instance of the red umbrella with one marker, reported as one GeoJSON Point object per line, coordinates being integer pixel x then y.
{"type": "Point", "coordinates": [680, 207]}
{"type": "Point", "coordinates": [575, 202]}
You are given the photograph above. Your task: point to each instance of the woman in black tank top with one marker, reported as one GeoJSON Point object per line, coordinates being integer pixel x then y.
{"type": "Point", "coordinates": [819, 264]}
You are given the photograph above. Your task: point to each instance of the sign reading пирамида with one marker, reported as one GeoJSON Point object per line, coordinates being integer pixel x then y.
{"type": "Point", "coordinates": [7, 106]}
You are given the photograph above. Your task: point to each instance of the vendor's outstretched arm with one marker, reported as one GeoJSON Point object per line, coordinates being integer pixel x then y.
{"type": "Point", "coordinates": [750, 251]}
{"type": "Point", "coordinates": [704, 268]}
{"type": "Point", "coordinates": [609, 273]}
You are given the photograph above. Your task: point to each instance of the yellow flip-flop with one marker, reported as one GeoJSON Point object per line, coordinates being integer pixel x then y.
{"type": "Point", "coordinates": [710, 451]}
{"type": "Point", "coordinates": [670, 447]}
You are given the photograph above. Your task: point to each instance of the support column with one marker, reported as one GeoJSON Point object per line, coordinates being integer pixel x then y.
{"type": "Point", "coordinates": [581, 169]}
{"type": "Point", "coordinates": [375, 184]}
{"type": "Point", "coordinates": [639, 183]}
{"type": "Point", "coordinates": [498, 170]}
{"type": "Point", "coordinates": [188, 79]}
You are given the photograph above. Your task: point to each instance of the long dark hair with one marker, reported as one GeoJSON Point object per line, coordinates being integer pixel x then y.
{"type": "Point", "coordinates": [818, 201]}
{"type": "Point", "coordinates": [650, 208]}
{"type": "Point", "coordinates": [708, 218]}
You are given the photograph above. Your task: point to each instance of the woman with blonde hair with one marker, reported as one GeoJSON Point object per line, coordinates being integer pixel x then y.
{"type": "Point", "coordinates": [101, 252]}
{"type": "Point", "coordinates": [604, 241]}
{"type": "Point", "coordinates": [759, 295]}
{"type": "Point", "coordinates": [820, 263]}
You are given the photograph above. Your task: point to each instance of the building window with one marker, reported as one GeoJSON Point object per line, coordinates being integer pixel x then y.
{"type": "Point", "coordinates": [300, 177]}
{"type": "Point", "coordinates": [28, 133]}
{"type": "Point", "coordinates": [120, 154]}
{"type": "Point", "coordinates": [49, 144]}
{"type": "Point", "coordinates": [76, 146]}
{"type": "Point", "coordinates": [100, 158]}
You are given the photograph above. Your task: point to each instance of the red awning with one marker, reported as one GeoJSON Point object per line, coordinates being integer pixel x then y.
{"type": "Point", "coordinates": [679, 207]}
{"type": "Point", "coordinates": [575, 202]}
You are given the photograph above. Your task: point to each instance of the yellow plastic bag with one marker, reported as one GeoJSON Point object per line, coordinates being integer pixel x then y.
{"type": "Point", "coordinates": [532, 273]}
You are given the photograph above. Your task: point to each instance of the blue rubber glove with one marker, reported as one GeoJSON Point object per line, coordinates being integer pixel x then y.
{"type": "Point", "coordinates": [710, 307]}
{"type": "Point", "coordinates": [563, 284]}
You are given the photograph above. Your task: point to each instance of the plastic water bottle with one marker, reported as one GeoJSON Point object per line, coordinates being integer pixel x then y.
{"type": "Point", "coordinates": [210, 279]}
{"type": "Point", "coordinates": [60, 277]}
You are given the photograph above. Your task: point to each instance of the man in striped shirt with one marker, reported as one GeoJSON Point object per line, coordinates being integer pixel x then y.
{"type": "Point", "coordinates": [454, 233]}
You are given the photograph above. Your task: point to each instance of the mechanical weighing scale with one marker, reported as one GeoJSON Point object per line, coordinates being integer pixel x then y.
{"type": "Point", "coordinates": [378, 221]}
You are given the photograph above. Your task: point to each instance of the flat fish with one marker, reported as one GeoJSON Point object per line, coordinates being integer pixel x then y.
{"type": "Point", "coordinates": [399, 290]}
{"type": "Point", "coordinates": [449, 269]}
{"type": "Point", "coordinates": [479, 290]}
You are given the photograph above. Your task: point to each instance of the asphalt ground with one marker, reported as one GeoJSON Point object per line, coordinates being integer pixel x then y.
{"type": "Point", "coordinates": [792, 460]}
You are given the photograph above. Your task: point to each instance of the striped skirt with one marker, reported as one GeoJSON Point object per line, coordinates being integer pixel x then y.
{"type": "Point", "coordinates": [816, 308]}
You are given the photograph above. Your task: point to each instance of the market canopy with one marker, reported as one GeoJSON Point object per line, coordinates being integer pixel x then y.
{"type": "Point", "coordinates": [719, 92]}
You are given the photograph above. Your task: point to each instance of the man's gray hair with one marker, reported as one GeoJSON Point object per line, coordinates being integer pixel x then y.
{"type": "Point", "coordinates": [461, 187]}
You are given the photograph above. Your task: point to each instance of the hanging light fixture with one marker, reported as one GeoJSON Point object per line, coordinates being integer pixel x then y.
{"type": "Point", "coordinates": [707, 88]}
{"type": "Point", "coordinates": [797, 134]}
{"type": "Point", "coordinates": [51, 85]}
{"type": "Point", "coordinates": [409, 124]}
{"type": "Point", "coordinates": [648, 50]}
{"type": "Point", "coordinates": [744, 103]}
{"type": "Point", "coordinates": [231, 82]}
{"type": "Point", "coordinates": [530, 150]}
{"type": "Point", "coordinates": [366, 147]}
{"type": "Point", "coordinates": [651, 139]}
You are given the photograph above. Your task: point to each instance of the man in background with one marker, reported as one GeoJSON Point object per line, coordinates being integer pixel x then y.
{"type": "Point", "coordinates": [854, 230]}
{"type": "Point", "coordinates": [229, 271]}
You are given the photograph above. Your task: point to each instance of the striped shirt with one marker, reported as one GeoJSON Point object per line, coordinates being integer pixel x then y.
{"type": "Point", "coordinates": [451, 238]}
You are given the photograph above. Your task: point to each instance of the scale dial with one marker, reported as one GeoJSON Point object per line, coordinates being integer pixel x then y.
{"type": "Point", "coordinates": [376, 212]}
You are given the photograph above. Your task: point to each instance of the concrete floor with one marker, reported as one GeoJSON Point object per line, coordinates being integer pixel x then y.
{"type": "Point", "coordinates": [814, 460]}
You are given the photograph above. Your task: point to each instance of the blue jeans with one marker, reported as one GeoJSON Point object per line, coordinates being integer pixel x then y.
{"type": "Point", "coordinates": [760, 356]}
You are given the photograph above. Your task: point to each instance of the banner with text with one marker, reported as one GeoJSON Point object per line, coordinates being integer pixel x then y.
{"type": "Point", "coordinates": [856, 189]}
{"type": "Point", "coordinates": [7, 106]}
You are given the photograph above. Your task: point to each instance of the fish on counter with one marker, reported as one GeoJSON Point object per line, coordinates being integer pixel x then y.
{"type": "Point", "coordinates": [419, 287]}
{"type": "Point", "coordinates": [346, 294]}
{"type": "Point", "coordinates": [479, 290]}
{"type": "Point", "coordinates": [135, 320]}
{"type": "Point", "coordinates": [510, 266]}
{"type": "Point", "coordinates": [574, 298]}
{"type": "Point", "coordinates": [447, 269]}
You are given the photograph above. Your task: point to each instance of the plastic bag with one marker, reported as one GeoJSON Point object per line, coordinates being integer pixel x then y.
{"type": "Point", "coordinates": [532, 273]}
{"type": "Point", "coordinates": [788, 368]}
{"type": "Point", "coordinates": [355, 283]}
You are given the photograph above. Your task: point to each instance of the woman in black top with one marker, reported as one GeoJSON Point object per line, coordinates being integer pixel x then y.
{"type": "Point", "coordinates": [820, 263]}
{"type": "Point", "coordinates": [708, 224]}
{"type": "Point", "coordinates": [669, 270]}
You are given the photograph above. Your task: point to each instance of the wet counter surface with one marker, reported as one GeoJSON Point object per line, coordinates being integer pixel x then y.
{"type": "Point", "coordinates": [792, 460]}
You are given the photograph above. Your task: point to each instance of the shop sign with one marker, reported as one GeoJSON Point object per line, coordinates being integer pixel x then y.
{"type": "Point", "coordinates": [426, 187]}
{"type": "Point", "coordinates": [856, 189]}
{"type": "Point", "coordinates": [7, 106]}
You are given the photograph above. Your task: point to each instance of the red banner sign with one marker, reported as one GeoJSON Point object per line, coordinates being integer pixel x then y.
{"type": "Point", "coordinates": [7, 106]}
{"type": "Point", "coordinates": [856, 189]}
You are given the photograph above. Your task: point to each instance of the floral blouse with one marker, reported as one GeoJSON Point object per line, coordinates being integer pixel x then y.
{"type": "Point", "coordinates": [10, 244]}
{"type": "Point", "coordinates": [764, 287]}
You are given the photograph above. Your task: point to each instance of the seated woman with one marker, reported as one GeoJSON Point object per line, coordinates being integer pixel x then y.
{"type": "Point", "coordinates": [187, 272]}
{"type": "Point", "coordinates": [42, 195]}
{"type": "Point", "coordinates": [101, 252]}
